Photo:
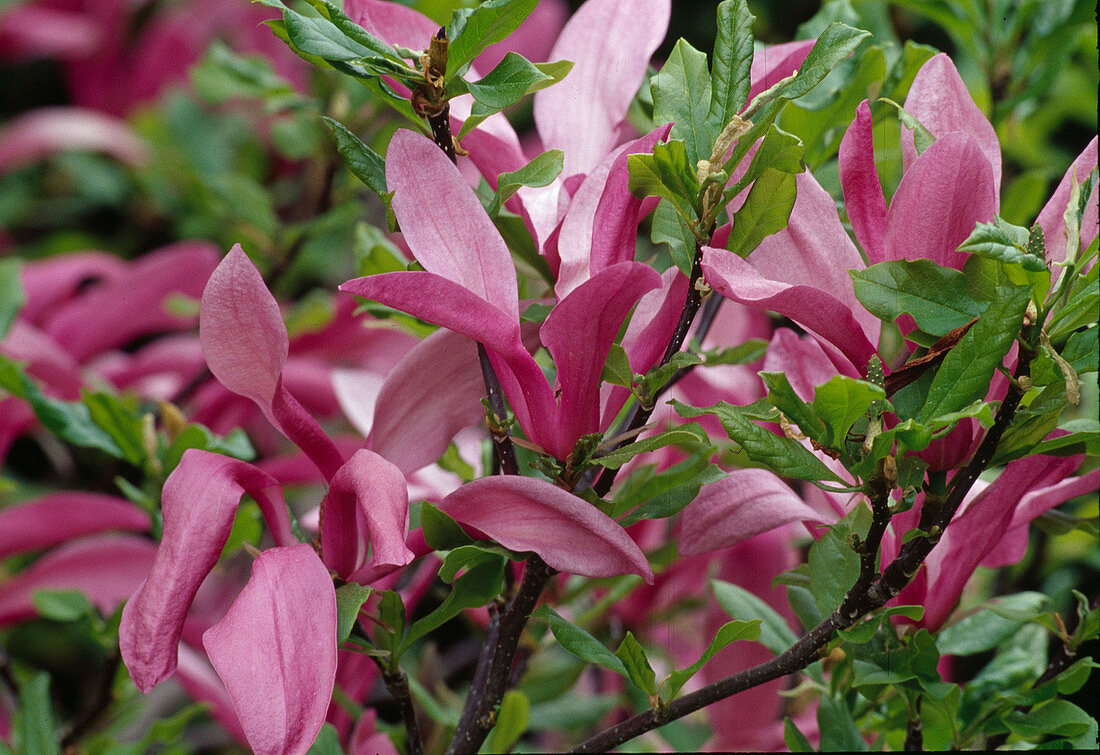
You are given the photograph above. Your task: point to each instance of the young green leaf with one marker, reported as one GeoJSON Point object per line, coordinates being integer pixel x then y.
{"type": "Point", "coordinates": [367, 165]}
{"type": "Point", "coordinates": [119, 419]}
{"type": "Point", "coordinates": [513, 717]}
{"type": "Point", "coordinates": [781, 394]}
{"type": "Point", "coordinates": [833, 564]}
{"type": "Point", "coordinates": [541, 171]}
{"type": "Point", "coordinates": [490, 22]}
{"type": "Point", "coordinates": [350, 598]}
{"type": "Point", "coordinates": [732, 63]}
{"type": "Point", "coordinates": [637, 665]}
{"type": "Point", "coordinates": [691, 436]}
{"type": "Point", "coordinates": [666, 173]}
{"type": "Point", "coordinates": [1004, 242]}
{"type": "Point", "coordinates": [842, 401]}
{"type": "Point", "coordinates": [728, 633]}
{"type": "Point", "coordinates": [682, 96]}
{"type": "Point", "coordinates": [11, 293]}
{"type": "Point", "coordinates": [778, 150]}
{"type": "Point", "coordinates": [511, 80]}
{"type": "Point", "coordinates": [33, 722]}
{"type": "Point", "coordinates": [775, 634]}
{"type": "Point", "coordinates": [936, 297]}
{"type": "Point", "coordinates": [473, 589]}
{"type": "Point", "coordinates": [966, 371]}
{"type": "Point", "coordinates": [766, 210]}
{"type": "Point", "coordinates": [441, 532]}
{"type": "Point", "coordinates": [580, 642]}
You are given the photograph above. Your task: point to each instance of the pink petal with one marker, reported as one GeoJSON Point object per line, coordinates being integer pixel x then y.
{"type": "Point", "coordinates": [739, 507]}
{"type": "Point", "coordinates": [50, 282]}
{"type": "Point", "coordinates": [862, 190]}
{"type": "Point", "coordinates": [939, 100]}
{"type": "Point", "coordinates": [245, 343]}
{"type": "Point", "coordinates": [357, 392]}
{"type": "Point", "coordinates": [802, 360]}
{"type": "Point", "coordinates": [438, 300]}
{"type": "Point", "coordinates": [392, 23]}
{"type": "Point", "coordinates": [276, 650]}
{"type": "Point", "coordinates": [810, 307]}
{"type": "Point", "coordinates": [943, 194]}
{"type": "Point", "coordinates": [106, 568]}
{"type": "Point", "coordinates": [367, 740]}
{"type": "Point", "coordinates": [201, 682]}
{"type": "Point", "coordinates": [134, 304]}
{"type": "Point", "coordinates": [44, 132]}
{"type": "Point", "coordinates": [975, 532]}
{"type": "Point", "coordinates": [534, 37]}
{"type": "Point", "coordinates": [428, 397]}
{"type": "Point", "coordinates": [1050, 219]}
{"type": "Point", "coordinates": [367, 504]}
{"type": "Point", "coordinates": [199, 502]}
{"type": "Point", "coordinates": [54, 518]}
{"type": "Point", "coordinates": [444, 224]}
{"type": "Point", "coordinates": [815, 250]}
{"type": "Point", "coordinates": [36, 31]}
{"type": "Point", "coordinates": [242, 330]}
{"type": "Point", "coordinates": [579, 333]}
{"type": "Point", "coordinates": [528, 514]}
{"type": "Point", "coordinates": [610, 43]}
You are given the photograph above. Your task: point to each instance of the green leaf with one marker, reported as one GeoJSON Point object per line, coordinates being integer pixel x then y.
{"type": "Point", "coordinates": [766, 210]}
{"type": "Point", "coordinates": [68, 420]}
{"type": "Point", "coordinates": [748, 352]}
{"type": "Point", "coordinates": [666, 494]}
{"type": "Point", "coordinates": [367, 165]}
{"type": "Point", "coordinates": [842, 401]}
{"type": "Point", "coordinates": [355, 32]}
{"type": "Point", "coordinates": [781, 394]}
{"type": "Point", "coordinates": [1003, 242]}
{"type": "Point", "coordinates": [119, 419]}
{"type": "Point", "coordinates": [350, 598]}
{"type": "Point", "coordinates": [839, 732]}
{"type": "Point", "coordinates": [835, 44]}
{"type": "Point", "coordinates": [391, 614]}
{"type": "Point", "coordinates": [666, 173]}
{"type": "Point", "coordinates": [467, 557]}
{"type": "Point", "coordinates": [327, 742]}
{"type": "Point", "coordinates": [616, 370]}
{"type": "Point", "coordinates": [62, 605]}
{"type": "Point", "coordinates": [781, 455]}
{"type": "Point", "coordinates": [794, 739]}
{"type": "Point", "coordinates": [235, 444]}
{"type": "Point", "coordinates": [1056, 718]}
{"type": "Point", "coordinates": [33, 722]}
{"type": "Point", "coordinates": [864, 631]}
{"type": "Point", "coordinates": [319, 37]}
{"type": "Point", "coordinates": [490, 22]}
{"type": "Point", "coordinates": [512, 720]}
{"type": "Point", "coordinates": [671, 229]}
{"type": "Point", "coordinates": [510, 81]}
{"type": "Point", "coordinates": [654, 380]}
{"type": "Point", "coordinates": [541, 171]}
{"type": "Point", "coordinates": [936, 297]}
{"type": "Point", "coordinates": [922, 137]}
{"type": "Point", "coordinates": [12, 297]}
{"type": "Point", "coordinates": [473, 589]}
{"type": "Point", "coordinates": [224, 74]}
{"type": "Point", "coordinates": [1082, 351]}
{"type": "Point", "coordinates": [732, 63]}
{"type": "Point", "coordinates": [690, 436]}
{"type": "Point", "coordinates": [637, 665]}
{"type": "Point", "coordinates": [778, 150]}
{"type": "Point", "coordinates": [728, 633]}
{"type": "Point", "coordinates": [1081, 310]}
{"type": "Point", "coordinates": [682, 96]}
{"type": "Point", "coordinates": [833, 563]}
{"type": "Point", "coordinates": [976, 633]}
{"type": "Point", "coordinates": [775, 634]}
{"type": "Point", "coordinates": [441, 532]}
{"type": "Point", "coordinates": [580, 642]}
{"type": "Point", "coordinates": [966, 371]}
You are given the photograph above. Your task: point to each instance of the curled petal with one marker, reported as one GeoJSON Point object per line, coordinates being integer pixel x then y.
{"type": "Point", "coordinates": [567, 532]}
{"type": "Point", "coordinates": [939, 100]}
{"type": "Point", "coordinates": [58, 517]}
{"type": "Point", "coordinates": [946, 190]}
{"type": "Point", "coordinates": [862, 190]}
{"type": "Point", "coordinates": [812, 308]}
{"type": "Point", "coordinates": [578, 334]}
{"type": "Point", "coordinates": [275, 649]}
{"type": "Point", "coordinates": [738, 507]}
{"type": "Point", "coordinates": [430, 395]}
{"type": "Point", "coordinates": [445, 225]}
{"type": "Point", "coordinates": [199, 502]}
{"type": "Point", "coordinates": [106, 568]}
{"type": "Point", "coordinates": [367, 504]}
{"type": "Point", "coordinates": [51, 282]}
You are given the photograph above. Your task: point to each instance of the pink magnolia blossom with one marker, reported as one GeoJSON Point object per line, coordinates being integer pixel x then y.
{"type": "Point", "coordinates": [44, 132]}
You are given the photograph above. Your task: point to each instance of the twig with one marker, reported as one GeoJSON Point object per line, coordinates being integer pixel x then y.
{"type": "Point", "coordinates": [398, 685]}
{"type": "Point", "coordinates": [479, 713]}
{"type": "Point", "coordinates": [855, 605]}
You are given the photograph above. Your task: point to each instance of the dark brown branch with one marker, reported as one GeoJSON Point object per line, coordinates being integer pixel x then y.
{"type": "Point", "coordinates": [914, 735]}
{"type": "Point", "coordinates": [398, 685]}
{"type": "Point", "coordinates": [479, 713]}
{"type": "Point", "coordinates": [856, 604]}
